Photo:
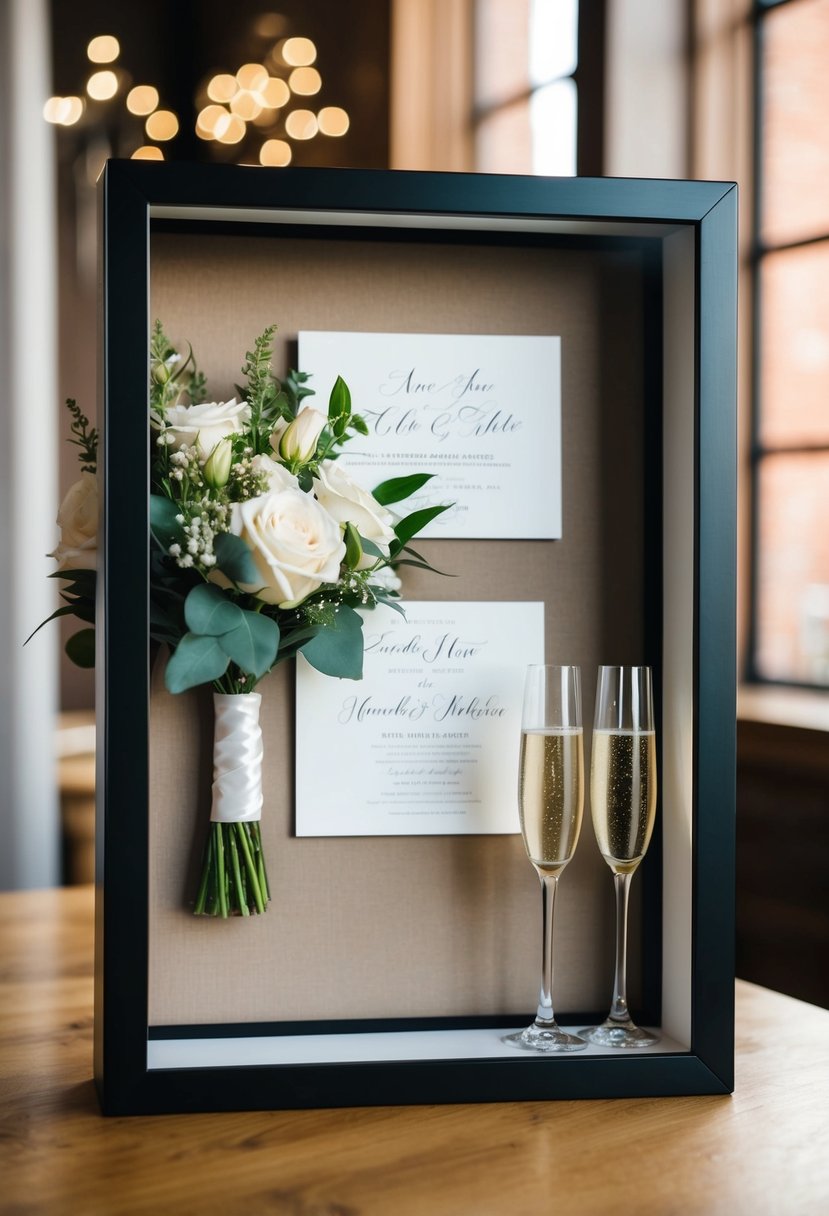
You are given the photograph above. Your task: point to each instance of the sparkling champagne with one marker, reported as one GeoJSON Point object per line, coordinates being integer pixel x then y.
{"type": "Point", "coordinates": [551, 795]}
{"type": "Point", "coordinates": [623, 795]}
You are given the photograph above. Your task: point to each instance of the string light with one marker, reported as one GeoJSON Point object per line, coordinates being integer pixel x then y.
{"type": "Point", "coordinates": [147, 152]}
{"type": "Point", "coordinates": [102, 85]}
{"type": "Point", "coordinates": [63, 111]}
{"type": "Point", "coordinates": [161, 125]}
{"type": "Point", "coordinates": [275, 152]}
{"type": "Point", "coordinates": [229, 129]}
{"type": "Point", "coordinates": [333, 120]}
{"type": "Point", "coordinates": [252, 77]}
{"type": "Point", "coordinates": [301, 124]}
{"type": "Point", "coordinates": [142, 99]}
{"type": "Point", "coordinates": [222, 87]}
{"type": "Point", "coordinates": [275, 93]}
{"type": "Point", "coordinates": [305, 81]}
{"type": "Point", "coordinates": [298, 52]}
{"type": "Point", "coordinates": [103, 49]}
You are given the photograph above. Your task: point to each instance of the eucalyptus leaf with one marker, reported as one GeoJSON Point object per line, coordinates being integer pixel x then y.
{"type": "Point", "coordinates": [234, 559]}
{"type": "Point", "coordinates": [398, 488]}
{"type": "Point", "coordinates": [253, 644]}
{"type": "Point", "coordinates": [163, 526]}
{"type": "Point", "coordinates": [81, 648]}
{"type": "Point", "coordinates": [371, 549]}
{"type": "Point", "coordinates": [337, 649]}
{"type": "Point", "coordinates": [209, 612]}
{"type": "Point", "coordinates": [196, 660]}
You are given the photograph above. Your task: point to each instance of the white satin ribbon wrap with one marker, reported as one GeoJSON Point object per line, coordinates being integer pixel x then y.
{"type": "Point", "coordinates": [237, 758]}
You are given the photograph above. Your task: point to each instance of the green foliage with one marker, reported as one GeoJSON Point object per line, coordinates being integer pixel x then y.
{"type": "Point", "coordinates": [81, 648]}
{"type": "Point", "coordinates": [83, 437]}
{"type": "Point", "coordinates": [253, 644]}
{"type": "Point", "coordinates": [196, 660]}
{"type": "Point", "coordinates": [409, 527]}
{"type": "Point", "coordinates": [164, 526]}
{"type": "Point", "coordinates": [209, 612]}
{"type": "Point", "coordinates": [398, 488]}
{"type": "Point", "coordinates": [337, 648]}
{"type": "Point", "coordinates": [295, 387]}
{"type": "Point", "coordinates": [353, 547]}
{"type": "Point", "coordinates": [171, 378]}
{"type": "Point", "coordinates": [263, 392]}
{"type": "Point", "coordinates": [234, 559]}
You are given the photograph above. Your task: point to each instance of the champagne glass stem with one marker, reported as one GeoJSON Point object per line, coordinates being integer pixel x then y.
{"type": "Point", "coordinates": [619, 1009]}
{"type": "Point", "coordinates": [549, 886]}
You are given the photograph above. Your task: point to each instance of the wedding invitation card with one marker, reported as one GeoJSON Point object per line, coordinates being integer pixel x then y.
{"type": "Point", "coordinates": [427, 742]}
{"type": "Point", "coordinates": [483, 413]}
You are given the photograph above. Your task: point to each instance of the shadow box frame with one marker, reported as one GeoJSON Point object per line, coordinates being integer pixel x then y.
{"type": "Point", "coordinates": [687, 232]}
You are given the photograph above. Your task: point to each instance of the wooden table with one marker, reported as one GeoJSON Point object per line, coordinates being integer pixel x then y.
{"type": "Point", "coordinates": [764, 1150]}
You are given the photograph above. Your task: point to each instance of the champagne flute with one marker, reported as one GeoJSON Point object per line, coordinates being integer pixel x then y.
{"type": "Point", "coordinates": [551, 800]}
{"type": "Point", "coordinates": [623, 803]}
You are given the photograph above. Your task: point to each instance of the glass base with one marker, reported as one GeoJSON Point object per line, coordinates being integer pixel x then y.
{"type": "Point", "coordinates": [546, 1037]}
{"type": "Point", "coordinates": [620, 1034]}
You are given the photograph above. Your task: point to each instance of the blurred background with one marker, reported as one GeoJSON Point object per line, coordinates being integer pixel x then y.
{"type": "Point", "coordinates": [720, 89]}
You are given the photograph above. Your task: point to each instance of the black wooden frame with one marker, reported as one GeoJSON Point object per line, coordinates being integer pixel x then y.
{"type": "Point", "coordinates": [604, 210]}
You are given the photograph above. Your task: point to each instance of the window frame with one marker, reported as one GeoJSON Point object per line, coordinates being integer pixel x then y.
{"type": "Point", "coordinates": [759, 250]}
{"type": "Point", "coordinates": [589, 78]}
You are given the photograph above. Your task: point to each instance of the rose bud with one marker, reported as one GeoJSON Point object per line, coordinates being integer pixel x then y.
{"type": "Point", "coordinates": [300, 439]}
{"type": "Point", "coordinates": [217, 466]}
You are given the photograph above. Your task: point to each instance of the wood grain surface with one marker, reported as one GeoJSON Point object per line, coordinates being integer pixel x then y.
{"type": "Point", "coordinates": [762, 1151]}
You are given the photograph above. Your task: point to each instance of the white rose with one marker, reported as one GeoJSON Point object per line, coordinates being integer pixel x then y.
{"type": "Point", "coordinates": [295, 545]}
{"type": "Point", "coordinates": [78, 521]}
{"type": "Point", "coordinates": [279, 478]}
{"type": "Point", "coordinates": [348, 502]}
{"type": "Point", "coordinates": [204, 425]}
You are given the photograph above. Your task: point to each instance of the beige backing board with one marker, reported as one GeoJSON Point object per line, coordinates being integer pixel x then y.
{"type": "Point", "coordinates": [385, 927]}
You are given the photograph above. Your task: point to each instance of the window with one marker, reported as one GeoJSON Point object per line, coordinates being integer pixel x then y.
{"type": "Point", "coordinates": [533, 60]}
{"type": "Point", "coordinates": [790, 442]}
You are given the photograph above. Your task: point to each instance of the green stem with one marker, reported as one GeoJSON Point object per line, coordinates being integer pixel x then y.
{"type": "Point", "coordinates": [201, 896]}
{"type": "Point", "coordinates": [220, 870]}
{"type": "Point", "coordinates": [264, 885]}
{"type": "Point", "coordinates": [251, 869]}
{"type": "Point", "coordinates": [241, 897]}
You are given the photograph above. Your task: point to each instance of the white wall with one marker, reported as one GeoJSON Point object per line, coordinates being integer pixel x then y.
{"type": "Point", "coordinates": [29, 833]}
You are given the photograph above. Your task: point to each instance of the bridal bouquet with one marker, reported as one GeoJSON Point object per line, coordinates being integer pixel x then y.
{"type": "Point", "coordinates": [263, 546]}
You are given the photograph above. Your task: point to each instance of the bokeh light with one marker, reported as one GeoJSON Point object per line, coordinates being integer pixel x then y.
{"type": "Point", "coordinates": [275, 152]}
{"type": "Point", "coordinates": [147, 152]}
{"type": "Point", "coordinates": [162, 125]}
{"type": "Point", "coordinates": [142, 99]}
{"type": "Point", "coordinates": [63, 111]}
{"type": "Point", "coordinates": [301, 124]}
{"type": "Point", "coordinates": [333, 120]}
{"type": "Point", "coordinates": [103, 49]}
{"type": "Point", "coordinates": [305, 81]}
{"type": "Point", "coordinates": [299, 52]}
{"type": "Point", "coordinates": [102, 85]}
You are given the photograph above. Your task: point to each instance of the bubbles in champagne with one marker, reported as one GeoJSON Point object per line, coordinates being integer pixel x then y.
{"type": "Point", "coordinates": [623, 795]}
{"type": "Point", "coordinates": [551, 795]}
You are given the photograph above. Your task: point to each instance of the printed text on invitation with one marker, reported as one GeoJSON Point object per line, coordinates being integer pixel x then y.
{"type": "Point", "coordinates": [483, 413]}
{"type": "Point", "coordinates": [427, 742]}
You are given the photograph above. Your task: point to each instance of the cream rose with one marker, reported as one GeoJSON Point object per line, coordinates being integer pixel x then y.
{"type": "Point", "coordinates": [204, 425]}
{"type": "Point", "coordinates": [279, 478]}
{"type": "Point", "coordinates": [348, 502]}
{"type": "Point", "coordinates": [295, 545]}
{"type": "Point", "coordinates": [78, 521]}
